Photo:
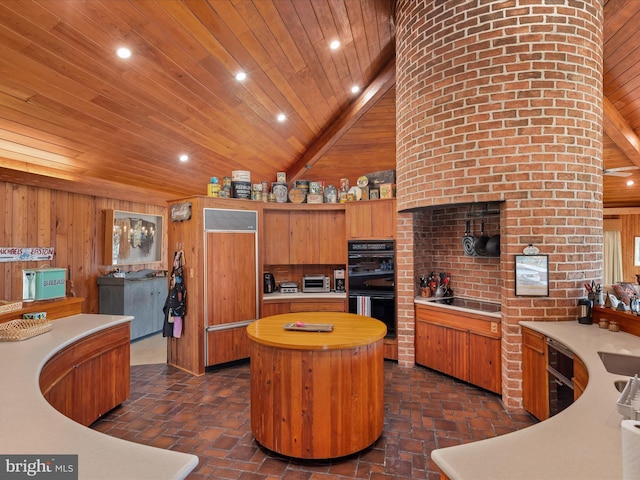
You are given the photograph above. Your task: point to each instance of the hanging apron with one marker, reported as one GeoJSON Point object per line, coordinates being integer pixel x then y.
{"type": "Point", "coordinates": [175, 305]}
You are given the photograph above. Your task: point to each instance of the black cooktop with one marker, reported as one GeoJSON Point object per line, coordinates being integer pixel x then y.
{"type": "Point", "coordinates": [470, 303]}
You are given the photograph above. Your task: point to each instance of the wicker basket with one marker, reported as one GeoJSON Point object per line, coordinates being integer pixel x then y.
{"type": "Point", "coordinates": [21, 329]}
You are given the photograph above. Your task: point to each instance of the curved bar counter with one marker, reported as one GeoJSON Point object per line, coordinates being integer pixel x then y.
{"type": "Point", "coordinates": [317, 395]}
{"type": "Point", "coordinates": [31, 426]}
{"type": "Point", "coordinates": [581, 442]}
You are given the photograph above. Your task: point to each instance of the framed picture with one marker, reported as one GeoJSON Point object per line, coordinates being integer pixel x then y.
{"type": "Point", "coordinates": [532, 275]}
{"type": "Point", "coordinates": [132, 238]}
{"type": "Point", "coordinates": [636, 252]}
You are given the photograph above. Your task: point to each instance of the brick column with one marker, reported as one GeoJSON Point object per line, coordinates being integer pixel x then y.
{"type": "Point", "coordinates": [501, 101]}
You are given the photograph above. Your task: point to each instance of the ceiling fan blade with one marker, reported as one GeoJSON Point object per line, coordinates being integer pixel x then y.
{"type": "Point", "coordinates": [620, 171]}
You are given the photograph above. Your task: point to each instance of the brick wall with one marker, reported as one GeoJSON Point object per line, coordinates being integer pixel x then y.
{"type": "Point", "coordinates": [501, 101]}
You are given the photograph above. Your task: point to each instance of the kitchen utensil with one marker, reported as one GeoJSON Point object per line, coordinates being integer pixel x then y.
{"type": "Point", "coordinates": [493, 246]}
{"type": "Point", "coordinates": [467, 242]}
{"type": "Point", "coordinates": [480, 243]}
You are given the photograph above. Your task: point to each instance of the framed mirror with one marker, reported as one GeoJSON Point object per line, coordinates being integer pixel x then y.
{"type": "Point", "coordinates": [132, 238]}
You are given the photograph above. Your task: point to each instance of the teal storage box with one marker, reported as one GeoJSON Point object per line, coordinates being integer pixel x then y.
{"type": "Point", "coordinates": [50, 283]}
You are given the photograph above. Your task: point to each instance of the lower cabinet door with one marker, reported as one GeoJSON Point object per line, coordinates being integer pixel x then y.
{"type": "Point", "coordinates": [484, 362]}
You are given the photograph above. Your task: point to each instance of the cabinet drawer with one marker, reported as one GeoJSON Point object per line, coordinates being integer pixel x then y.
{"type": "Point", "coordinates": [317, 307]}
{"type": "Point", "coordinates": [533, 340]}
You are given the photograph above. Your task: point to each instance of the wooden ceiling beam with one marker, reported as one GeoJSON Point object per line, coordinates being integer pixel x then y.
{"type": "Point", "coordinates": [620, 132]}
{"type": "Point", "coordinates": [385, 80]}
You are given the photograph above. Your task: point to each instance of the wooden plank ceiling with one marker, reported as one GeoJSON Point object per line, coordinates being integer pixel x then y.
{"type": "Point", "coordinates": [73, 116]}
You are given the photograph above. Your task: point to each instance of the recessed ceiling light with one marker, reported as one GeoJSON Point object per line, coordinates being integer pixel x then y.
{"type": "Point", "coordinates": [241, 76]}
{"type": "Point", "coordinates": [334, 45]}
{"type": "Point", "coordinates": [184, 157]}
{"type": "Point", "coordinates": [355, 89]}
{"type": "Point", "coordinates": [123, 52]}
{"type": "Point", "coordinates": [281, 117]}
{"type": "Point", "coordinates": [629, 183]}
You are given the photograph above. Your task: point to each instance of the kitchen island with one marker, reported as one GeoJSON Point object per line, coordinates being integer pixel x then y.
{"type": "Point", "coordinates": [317, 395]}
{"type": "Point", "coordinates": [581, 442]}
{"type": "Point", "coordinates": [31, 426]}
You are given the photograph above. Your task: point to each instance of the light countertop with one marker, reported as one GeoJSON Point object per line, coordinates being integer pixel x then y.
{"type": "Point", "coordinates": [31, 426]}
{"type": "Point", "coordinates": [432, 301]}
{"type": "Point", "coordinates": [349, 331]}
{"type": "Point", "coordinates": [581, 442]}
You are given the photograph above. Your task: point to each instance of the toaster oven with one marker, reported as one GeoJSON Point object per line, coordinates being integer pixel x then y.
{"type": "Point", "coordinates": [316, 284]}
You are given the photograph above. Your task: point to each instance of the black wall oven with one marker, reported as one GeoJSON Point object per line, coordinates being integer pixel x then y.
{"type": "Point", "coordinates": [372, 281]}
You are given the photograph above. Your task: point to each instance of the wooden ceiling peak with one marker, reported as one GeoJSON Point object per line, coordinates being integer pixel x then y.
{"type": "Point", "coordinates": [347, 119]}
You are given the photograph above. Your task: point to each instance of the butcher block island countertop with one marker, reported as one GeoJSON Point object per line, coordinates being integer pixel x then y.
{"type": "Point", "coordinates": [581, 442]}
{"type": "Point", "coordinates": [31, 426]}
{"type": "Point", "coordinates": [317, 395]}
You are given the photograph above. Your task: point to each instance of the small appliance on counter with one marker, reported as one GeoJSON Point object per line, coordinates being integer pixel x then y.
{"type": "Point", "coordinates": [316, 284]}
{"type": "Point", "coordinates": [269, 283]}
{"type": "Point", "coordinates": [585, 311]}
{"type": "Point", "coordinates": [289, 287]}
{"type": "Point", "coordinates": [339, 284]}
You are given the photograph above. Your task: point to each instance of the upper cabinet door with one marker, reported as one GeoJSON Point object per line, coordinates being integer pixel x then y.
{"type": "Point", "coordinates": [375, 219]}
{"type": "Point", "coordinates": [304, 237]}
{"type": "Point", "coordinates": [276, 237]}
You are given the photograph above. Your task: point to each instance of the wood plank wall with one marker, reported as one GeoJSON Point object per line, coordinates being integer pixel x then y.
{"type": "Point", "coordinates": [73, 224]}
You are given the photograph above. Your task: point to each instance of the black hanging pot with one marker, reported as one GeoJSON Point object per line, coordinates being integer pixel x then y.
{"type": "Point", "coordinates": [480, 243]}
{"type": "Point", "coordinates": [493, 246]}
{"type": "Point", "coordinates": [467, 242]}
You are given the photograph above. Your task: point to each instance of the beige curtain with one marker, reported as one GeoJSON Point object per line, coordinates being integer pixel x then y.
{"type": "Point", "coordinates": [612, 257]}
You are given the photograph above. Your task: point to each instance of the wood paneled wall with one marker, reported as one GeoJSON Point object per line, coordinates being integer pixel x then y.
{"type": "Point", "coordinates": [73, 224]}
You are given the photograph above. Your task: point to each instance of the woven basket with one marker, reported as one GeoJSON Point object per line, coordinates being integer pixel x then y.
{"type": "Point", "coordinates": [21, 329]}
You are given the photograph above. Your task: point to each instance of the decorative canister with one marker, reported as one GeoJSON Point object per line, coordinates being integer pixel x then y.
{"type": "Point", "coordinates": [271, 197]}
{"type": "Point", "coordinates": [314, 187]}
{"type": "Point", "coordinates": [240, 176]}
{"type": "Point", "coordinates": [344, 184]}
{"type": "Point", "coordinates": [226, 182]}
{"type": "Point", "coordinates": [241, 190]}
{"type": "Point", "coordinates": [281, 177]}
{"type": "Point", "coordinates": [265, 186]}
{"type": "Point", "coordinates": [280, 192]}
{"type": "Point", "coordinates": [330, 194]}
{"type": "Point", "coordinates": [213, 189]}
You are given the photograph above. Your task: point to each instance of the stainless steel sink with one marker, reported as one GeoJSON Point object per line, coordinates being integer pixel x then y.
{"type": "Point", "coordinates": [620, 384]}
{"type": "Point", "coordinates": [620, 364]}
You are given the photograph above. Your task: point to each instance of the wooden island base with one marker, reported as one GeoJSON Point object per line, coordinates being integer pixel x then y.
{"type": "Point", "coordinates": [317, 395]}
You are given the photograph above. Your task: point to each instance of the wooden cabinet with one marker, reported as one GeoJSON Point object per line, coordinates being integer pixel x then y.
{"type": "Point", "coordinates": [580, 377]}
{"type": "Point", "coordinates": [464, 345]}
{"type": "Point", "coordinates": [535, 390]}
{"type": "Point", "coordinates": [371, 219]}
{"type": "Point", "coordinates": [276, 237]}
{"type": "Point", "coordinates": [221, 279]}
{"type": "Point", "coordinates": [485, 362]}
{"type": "Point", "coordinates": [143, 298]}
{"type": "Point", "coordinates": [89, 377]}
{"type": "Point", "coordinates": [447, 350]}
{"type": "Point", "coordinates": [304, 236]}
{"type": "Point", "coordinates": [303, 305]}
